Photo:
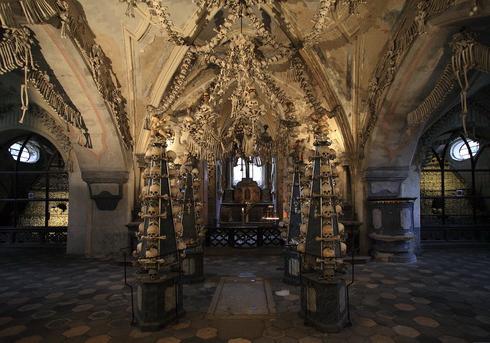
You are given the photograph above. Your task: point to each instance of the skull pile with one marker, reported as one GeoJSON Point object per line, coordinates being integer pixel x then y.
{"type": "Point", "coordinates": [186, 197]}
{"type": "Point", "coordinates": [320, 215]}
{"type": "Point", "coordinates": [155, 200]}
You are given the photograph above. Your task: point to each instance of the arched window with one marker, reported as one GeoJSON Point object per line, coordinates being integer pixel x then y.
{"type": "Point", "coordinates": [459, 150]}
{"type": "Point", "coordinates": [255, 172]}
{"type": "Point", "coordinates": [30, 153]}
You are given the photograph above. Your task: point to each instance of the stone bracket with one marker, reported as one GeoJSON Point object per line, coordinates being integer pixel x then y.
{"type": "Point", "coordinates": [105, 187]}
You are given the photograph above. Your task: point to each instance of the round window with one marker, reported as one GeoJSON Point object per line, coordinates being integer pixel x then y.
{"type": "Point", "coordinates": [459, 150]}
{"type": "Point", "coordinates": [30, 153]}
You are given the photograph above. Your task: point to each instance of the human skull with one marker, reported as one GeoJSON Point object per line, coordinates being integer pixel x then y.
{"type": "Point", "coordinates": [198, 207]}
{"type": "Point", "coordinates": [155, 190]}
{"type": "Point", "coordinates": [152, 252]}
{"type": "Point", "coordinates": [308, 172]}
{"type": "Point", "coordinates": [341, 228]}
{"type": "Point", "coordinates": [171, 155]}
{"type": "Point", "coordinates": [153, 211]}
{"type": "Point", "coordinates": [327, 230]}
{"type": "Point", "coordinates": [174, 191]}
{"type": "Point", "coordinates": [196, 184]}
{"type": "Point", "coordinates": [327, 190]}
{"type": "Point", "coordinates": [181, 245]}
{"type": "Point", "coordinates": [141, 228]}
{"type": "Point", "coordinates": [155, 170]}
{"type": "Point", "coordinates": [156, 153]}
{"type": "Point", "coordinates": [139, 246]}
{"type": "Point", "coordinates": [179, 229]}
{"type": "Point", "coordinates": [338, 209]}
{"type": "Point", "coordinates": [327, 211]}
{"type": "Point", "coordinates": [301, 247]}
{"type": "Point", "coordinates": [152, 229]}
{"type": "Point", "coordinates": [303, 228]}
{"type": "Point", "coordinates": [144, 192]}
{"type": "Point", "coordinates": [176, 209]}
{"type": "Point", "coordinates": [328, 252]}
{"type": "Point", "coordinates": [146, 172]}
{"type": "Point", "coordinates": [343, 249]}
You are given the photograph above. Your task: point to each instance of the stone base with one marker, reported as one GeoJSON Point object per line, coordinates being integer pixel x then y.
{"type": "Point", "coordinates": [406, 257]}
{"type": "Point", "coordinates": [192, 266]}
{"type": "Point", "coordinates": [292, 266]}
{"type": "Point", "coordinates": [158, 302]}
{"type": "Point", "coordinates": [323, 303]}
{"type": "Point", "coordinates": [395, 249]}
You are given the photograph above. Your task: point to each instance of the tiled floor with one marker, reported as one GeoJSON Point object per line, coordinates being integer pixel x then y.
{"type": "Point", "coordinates": [48, 297]}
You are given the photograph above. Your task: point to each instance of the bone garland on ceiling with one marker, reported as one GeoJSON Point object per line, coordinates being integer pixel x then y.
{"type": "Point", "coordinates": [16, 53]}
{"type": "Point", "coordinates": [468, 54]}
{"type": "Point", "coordinates": [207, 49]}
{"type": "Point", "coordinates": [77, 28]}
{"type": "Point", "coordinates": [34, 11]}
{"type": "Point", "coordinates": [322, 17]}
{"type": "Point", "coordinates": [413, 21]}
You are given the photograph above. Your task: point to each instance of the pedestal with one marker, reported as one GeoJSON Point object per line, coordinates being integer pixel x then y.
{"type": "Point", "coordinates": [159, 302]}
{"type": "Point", "coordinates": [292, 266]}
{"type": "Point", "coordinates": [392, 229]}
{"type": "Point", "coordinates": [323, 303]}
{"type": "Point", "coordinates": [192, 266]}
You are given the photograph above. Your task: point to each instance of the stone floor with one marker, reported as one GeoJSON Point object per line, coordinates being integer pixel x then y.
{"type": "Point", "coordinates": [49, 297]}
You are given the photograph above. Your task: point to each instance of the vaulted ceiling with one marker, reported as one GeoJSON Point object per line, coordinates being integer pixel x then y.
{"type": "Point", "coordinates": [369, 69]}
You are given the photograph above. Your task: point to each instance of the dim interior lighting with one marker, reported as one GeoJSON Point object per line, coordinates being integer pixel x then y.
{"type": "Point", "coordinates": [270, 214]}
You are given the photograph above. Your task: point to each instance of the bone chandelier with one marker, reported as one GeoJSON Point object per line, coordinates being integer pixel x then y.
{"type": "Point", "coordinates": [245, 70]}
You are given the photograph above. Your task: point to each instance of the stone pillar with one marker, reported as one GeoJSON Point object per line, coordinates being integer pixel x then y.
{"type": "Point", "coordinates": [228, 193]}
{"type": "Point", "coordinates": [390, 215]}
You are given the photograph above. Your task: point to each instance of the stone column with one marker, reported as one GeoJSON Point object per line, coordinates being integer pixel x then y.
{"type": "Point", "coordinates": [390, 215]}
